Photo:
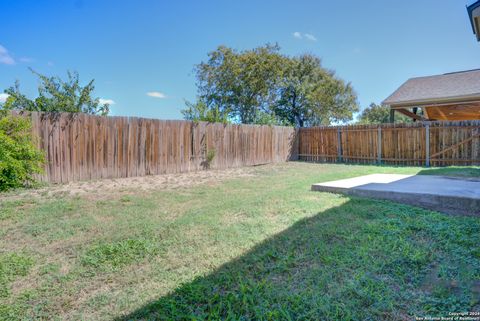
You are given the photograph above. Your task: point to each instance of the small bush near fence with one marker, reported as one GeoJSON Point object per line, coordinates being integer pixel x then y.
{"type": "Point", "coordinates": [19, 158]}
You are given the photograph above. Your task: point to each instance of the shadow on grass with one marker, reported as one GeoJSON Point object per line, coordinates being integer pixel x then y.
{"type": "Point", "coordinates": [363, 260]}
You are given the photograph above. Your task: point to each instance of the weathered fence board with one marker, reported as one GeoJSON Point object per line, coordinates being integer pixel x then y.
{"type": "Point", "coordinates": [83, 147]}
{"type": "Point", "coordinates": [416, 144]}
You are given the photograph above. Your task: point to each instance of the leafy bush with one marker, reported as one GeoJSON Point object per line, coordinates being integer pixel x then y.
{"type": "Point", "coordinates": [19, 158]}
{"type": "Point", "coordinates": [207, 163]}
{"type": "Point", "coordinates": [210, 156]}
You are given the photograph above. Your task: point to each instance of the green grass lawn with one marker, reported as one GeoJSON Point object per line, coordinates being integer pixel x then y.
{"type": "Point", "coordinates": [260, 247]}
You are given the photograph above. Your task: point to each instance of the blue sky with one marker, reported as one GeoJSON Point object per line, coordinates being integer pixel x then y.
{"type": "Point", "coordinates": [132, 48]}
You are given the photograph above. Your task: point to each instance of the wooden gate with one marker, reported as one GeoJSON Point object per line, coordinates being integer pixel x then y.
{"type": "Point", "coordinates": [455, 144]}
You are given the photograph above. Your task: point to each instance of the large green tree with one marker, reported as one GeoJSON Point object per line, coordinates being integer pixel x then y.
{"type": "Point", "coordinates": [311, 95]}
{"type": "Point", "coordinates": [239, 84]}
{"type": "Point", "coordinates": [57, 95]}
{"type": "Point", "coordinates": [262, 86]}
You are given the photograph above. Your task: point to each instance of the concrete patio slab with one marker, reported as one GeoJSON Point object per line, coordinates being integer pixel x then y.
{"type": "Point", "coordinates": [444, 194]}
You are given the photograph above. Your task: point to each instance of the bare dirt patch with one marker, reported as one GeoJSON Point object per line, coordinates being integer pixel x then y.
{"type": "Point", "coordinates": [106, 188]}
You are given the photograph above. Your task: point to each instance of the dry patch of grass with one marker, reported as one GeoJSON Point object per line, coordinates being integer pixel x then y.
{"type": "Point", "coordinates": [116, 187]}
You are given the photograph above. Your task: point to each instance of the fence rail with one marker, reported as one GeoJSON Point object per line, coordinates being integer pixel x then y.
{"type": "Point", "coordinates": [417, 144]}
{"type": "Point", "coordinates": [84, 147]}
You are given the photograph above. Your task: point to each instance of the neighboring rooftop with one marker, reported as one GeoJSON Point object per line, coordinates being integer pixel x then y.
{"type": "Point", "coordinates": [446, 88]}
{"type": "Point", "coordinates": [474, 15]}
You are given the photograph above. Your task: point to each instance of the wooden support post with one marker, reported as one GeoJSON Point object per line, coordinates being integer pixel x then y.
{"type": "Point", "coordinates": [339, 145]}
{"type": "Point", "coordinates": [379, 145]}
{"type": "Point", "coordinates": [427, 145]}
{"type": "Point", "coordinates": [392, 115]}
{"type": "Point", "coordinates": [476, 147]}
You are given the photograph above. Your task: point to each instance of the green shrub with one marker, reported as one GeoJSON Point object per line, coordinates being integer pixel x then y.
{"type": "Point", "coordinates": [19, 158]}
{"type": "Point", "coordinates": [210, 156]}
{"type": "Point", "coordinates": [207, 163]}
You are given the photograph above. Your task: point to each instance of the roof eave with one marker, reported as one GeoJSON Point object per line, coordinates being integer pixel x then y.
{"type": "Point", "coordinates": [470, 9]}
{"type": "Point", "coordinates": [436, 101]}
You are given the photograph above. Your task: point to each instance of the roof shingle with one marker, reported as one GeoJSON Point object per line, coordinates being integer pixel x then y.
{"type": "Point", "coordinates": [436, 88]}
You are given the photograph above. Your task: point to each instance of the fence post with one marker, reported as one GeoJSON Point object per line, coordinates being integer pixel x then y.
{"type": "Point", "coordinates": [427, 145]}
{"type": "Point", "coordinates": [379, 145]}
{"type": "Point", "coordinates": [475, 145]}
{"type": "Point", "coordinates": [339, 145]}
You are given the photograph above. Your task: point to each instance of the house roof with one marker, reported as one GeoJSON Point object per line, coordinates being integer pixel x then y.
{"type": "Point", "coordinates": [474, 15]}
{"type": "Point", "coordinates": [447, 88]}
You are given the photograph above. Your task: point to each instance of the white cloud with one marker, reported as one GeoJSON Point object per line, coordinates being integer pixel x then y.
{"type": "Point", "coordinates": [310, 37]}
{"type": "Point", "coordinates": [26, 59]}
{"type": "Point", "coordinates": [306, 36]}
{"type": "Point", "coordinates": [103, 101]}
{"type": "Point", "coordinates": [5, 57]}
{"type": "Point", "coordinates": [3, 97]}
{"type": "Point", "coordinates": [156, 94]}
{"type": "Point", "coordinates": [50, 64]}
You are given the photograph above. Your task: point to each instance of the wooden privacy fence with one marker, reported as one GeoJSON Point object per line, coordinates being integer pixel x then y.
{"type": "Point", "coordinates": [420, 143]}
{"type": "Point", "coordinates": [83, 147]}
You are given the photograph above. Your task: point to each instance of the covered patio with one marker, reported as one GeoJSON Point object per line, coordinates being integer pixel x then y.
{"type": "Point", "coordinates": [447, 97]}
